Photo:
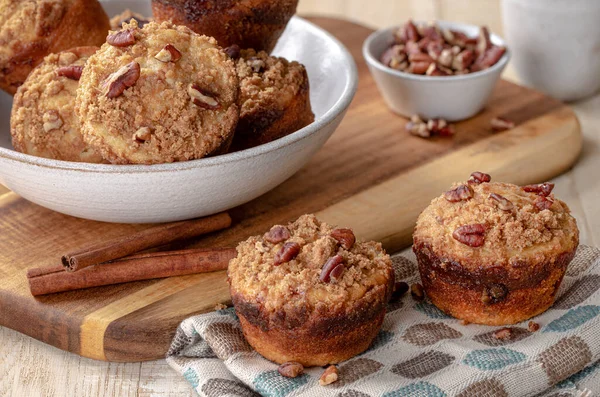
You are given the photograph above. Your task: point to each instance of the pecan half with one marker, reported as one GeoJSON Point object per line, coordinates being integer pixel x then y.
{"type": "Point", "coordinates": [288, 252]}
{"type": "Point", "coordinates": [543, 203]}
{"type": "Point", "coordinates": [291, 369]}
{"type": "Point", "coordinates": [462, 192]}
{"type": "Point", "coordinates": [479, 177]}
{"type": "Point", "coordinates": [345, 237]}
{"type": "Point", "coordinates": [277, 234]}
{"type": "Point", "coordinates": [72, 72]}
{"type": "Point", "coordinates": [494, 293]}
{"type": "Point", "coordinates": [233, 52]}
{"type": "Point", "coordinates": [329, 266]}
{"type": "Point", "coordinates": [122, 79]}
{"type": "Point", "coordinates": [471, 235]}
{"type": "Point", "coordinates": [400, 288]}
{"type": "Point", "coordinates": [122, 38]}
{"type": "Point", "coordinates": [329, 376]}
{"type": "Point", "coordinates": [168, 54]}
{"type": "Point", "coordinates": [203, 98]}
{"type": "Point", "coordinates": [417, 292]}
{"type": "Point", "coordinates": [504, 334]}
{"type": "Point", "coordinates": [489, 58]}
{"type": "Point", "coordinates": [501, 202]}
{"type": "Point", "coordinates": [500, 124]}
{"type": "Point", "coordinates": [408, 32]}
{"type": "Point", "coordinates": [542, 189]}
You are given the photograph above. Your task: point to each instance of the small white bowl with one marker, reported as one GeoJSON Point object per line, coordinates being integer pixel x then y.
{"type": "Point", "coordinates": [177, 191]}
{"type": "Point", "coordinates": [452, 98]}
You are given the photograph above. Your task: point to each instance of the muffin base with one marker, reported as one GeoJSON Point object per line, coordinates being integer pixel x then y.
{"type": "Point", "coordinates": [458, 292]}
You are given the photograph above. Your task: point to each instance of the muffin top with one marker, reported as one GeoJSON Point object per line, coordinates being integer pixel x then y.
{"type": "Point", "coordinates": [490, 223]}
{"type": "Point", "coordinates": [43, 120]}
{"type": "Point", "coordinates": [268, 82]}
{"type": "Point", "coordinates": [310, 265]}
{"type": "Point", "coordinates": [158, 94]}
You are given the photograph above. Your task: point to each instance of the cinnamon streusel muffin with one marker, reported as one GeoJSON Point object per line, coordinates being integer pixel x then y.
{"type": "Point", "coordinates": [32, 29]}
{"type": "Point", "coordinates": [494, 253]}
{"type": "Point", "coordinates": [248, 23]}
{"type": "Point", "coordinates": [310, 293]}
{"type": "Point", "coordinates": [274, 99]}
{"type": "Point", "coordinates": [43, 120]}
{"type": "Point", "coordinates": [158, 94]}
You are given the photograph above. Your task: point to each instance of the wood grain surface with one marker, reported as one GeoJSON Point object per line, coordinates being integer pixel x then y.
{"type": "Point", "coordinates": [371, 175]}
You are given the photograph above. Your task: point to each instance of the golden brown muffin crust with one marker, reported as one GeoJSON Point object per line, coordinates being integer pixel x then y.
{"type": "Point", "coordinates": [43, 119]}
{"type": "Point", "coordinates": [31, 29]}
{"type": "Point", "coordinates": [157, 118]}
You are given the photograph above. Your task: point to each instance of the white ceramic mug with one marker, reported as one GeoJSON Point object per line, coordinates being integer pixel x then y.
{"type": "Point", "coordinates": [555, 45]}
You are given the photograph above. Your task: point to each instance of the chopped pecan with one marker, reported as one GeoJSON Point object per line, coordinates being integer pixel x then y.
{"type": "Point", "coordinates": [257, 64]}
{"type": "Point", "coordinates": [277, 234]}
{"type": "Point", "coordinates": [501, 202]}
{"type": "Point", "coordinates": [543, 203]}
{"type": "Point", "coordinates": [72, 72]}
{"type": "Point", "coordinates": [542, 189]}
{"type": "Point", "coordinates": [532, 326]}
{"type": "Point", "coordinates": [412, 47]}
{"type": "Point", "coordinates": [504, 334]}
{"type": "Point", "coordinates": [462, 192]}
{"type": "Point", "coordinates": [122, 79]}
{"type": "Point", "coordinates": [436, 70]}
{"type": "Point", "coordinates": [288, 252]}
{"type": "Point", "coordinates": [434, 49]}
{"type": "Point", "coordinates": [500, 124]}
{"type": "Point", "coordinates": [122, 38]}
{"type": "Point", "coordinates": [394, 56]}
{"type": "Point", "coordinates": [420, 57]}
{"type": "Point", "coordinates": [142, 135]}
{"type": "Point", "coordinates": [479, 177]}
{"type": "Point", "coordinates": [203, 98]}
{"type": "Point", "coordinates": [52, 121]}
{"type": "Point", "coordinates": [233, 52]}
{"type": "Point", "coordinates": [329, 266]}
{"type": "Point", "coordinates": [483, 40]}
{"type": "Point", "coordinates": [494, 293]}
{"type": "Point", "coordinates": [463, 60]}
{"type": "Point", "coordinates": [417, 292]}
{"type": "Point", "coordinates": [329, 376]}
{"type": "Point", "coordinates": [446, 57]}
{"type": "Point", "coordinates": [418, 129]}
{"type": "Point", "coordinates": [472, 235]}
{"type": "Point", "coordinates": [432, 32]}
{"type": "Point", "coordinates": [291, 369]}
{"type": "Point", "coordinates": [418, 67]}
{"type": "Point", "coordinates": [440, 127]}
{"type": "Point", "coordinates": [168, 54]}
{"type": "Point", "coordinates": [408, 32]}
{"type": "Point", "coordinates": [345, 237]}
{"type": "Point", "coordinates": [489, 58]}
{"type": "Point", "coordinates": [400, 288]}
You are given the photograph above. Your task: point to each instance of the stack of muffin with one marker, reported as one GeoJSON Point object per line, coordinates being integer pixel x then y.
{"type": "Point", "coordinates": [198, 81]}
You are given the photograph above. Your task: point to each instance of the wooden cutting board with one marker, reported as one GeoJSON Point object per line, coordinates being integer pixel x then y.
{"type": "Point", "coordinates": [371, 176]}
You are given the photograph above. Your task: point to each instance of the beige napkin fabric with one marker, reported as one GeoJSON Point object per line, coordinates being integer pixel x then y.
{"type": "Point", "coordinates": [420, 351]}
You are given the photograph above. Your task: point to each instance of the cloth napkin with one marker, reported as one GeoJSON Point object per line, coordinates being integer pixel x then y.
{"type": "Point", "coordinates": [419, 351]}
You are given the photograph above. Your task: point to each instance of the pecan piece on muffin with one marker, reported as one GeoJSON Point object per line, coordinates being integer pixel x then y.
{"type": "Point", "coordinates": [497, 257]}
{"type": "Point", "coordinates": [32, 29]}
{"type": "Point", "coordinates": [274, 99]}
{"type": "Point", "coordinates": [43, 120]}
{"type": "Point", "coordinates": [320, 306]}
{"type": "Point", "coordinates": [158, 94]}
{"type": "Point", "coordinates": [248, 23]}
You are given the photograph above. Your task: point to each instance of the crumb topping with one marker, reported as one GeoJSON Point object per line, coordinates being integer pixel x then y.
{"type": "Point", "coordinates": [514, 226]}
{"type": "Point", "coordinates": [43, 120]}
{"type": "Point", "coordinates": [367, 269]}
{"type": "Point", "coordinates": [267, 81]}
{"type": "Point", "coordinates": [158, 97]}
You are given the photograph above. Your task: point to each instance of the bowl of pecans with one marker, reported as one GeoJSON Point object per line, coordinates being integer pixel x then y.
{"type": "Point", "coordinates": [440, 69]}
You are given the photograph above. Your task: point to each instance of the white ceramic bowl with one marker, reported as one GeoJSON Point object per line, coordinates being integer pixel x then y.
{"type": "Point", "coordinates": [452, 98]}
{"type": "Point", "coordinates": [176, 191]}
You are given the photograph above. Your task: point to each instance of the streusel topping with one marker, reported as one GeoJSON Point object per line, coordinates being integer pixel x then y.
{"type": "Point", "coordinates": [367, 269]}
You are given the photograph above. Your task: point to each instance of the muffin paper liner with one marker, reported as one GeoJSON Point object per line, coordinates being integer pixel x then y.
{"type": "Point", "coordinates": [420, 351]}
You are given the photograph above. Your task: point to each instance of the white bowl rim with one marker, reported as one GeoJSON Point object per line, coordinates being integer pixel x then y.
{"type": "Point", "coordinates": [373, 61]}
{"type": "Point", "coordinates": [338, 107]}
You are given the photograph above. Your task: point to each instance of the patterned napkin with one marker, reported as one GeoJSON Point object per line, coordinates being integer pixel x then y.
{"type": "Point", "coordinates": [419, 351]}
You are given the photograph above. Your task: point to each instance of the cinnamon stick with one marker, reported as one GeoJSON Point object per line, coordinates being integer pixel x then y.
{"type": "Point", "coordinates": [53, 279]}
{"type": "Point", "coordinates": [143, 240]}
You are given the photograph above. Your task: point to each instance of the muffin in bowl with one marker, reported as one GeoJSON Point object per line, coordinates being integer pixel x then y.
{"type": "Point", "coordinates": [43, 120]}
{"type": "Point", "coordinates": [248, 23]}
{"type": "Point", "coordinates": [494, 253]}
{"type": "Point", "coordinates": [32, 29]}
{"type": "Point", "coordinates": [310, 293]}
{"type": "Point", "coordinates": [274, 99]}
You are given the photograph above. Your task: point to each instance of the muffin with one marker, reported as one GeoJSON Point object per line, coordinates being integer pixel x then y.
{"type": "Point", "coordinates": [274, 99]}
{"type": "Point", "coordinates": [158, 94]}
{"type": "Point", "coordinates": [309, 293]}
{"type": "Point", "coordinates": [126, 16]}
{"type": "Point", "coordinates": [32, 29]}
{"type": "Point", "coordinates": [248, 23]}
{"type": "Point", "coordinates": [43, 120]}
{"type": "Point", "coordinates": [494, 253]}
